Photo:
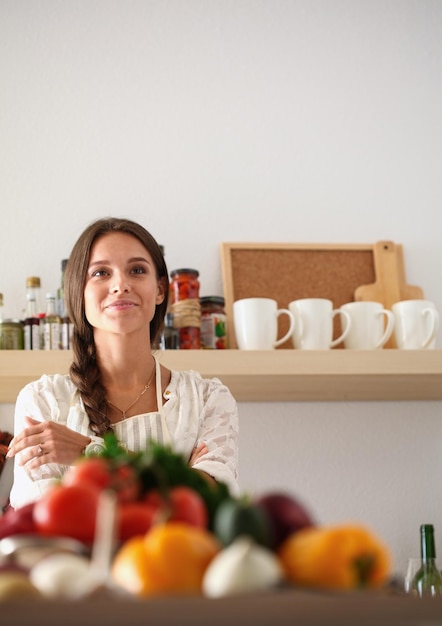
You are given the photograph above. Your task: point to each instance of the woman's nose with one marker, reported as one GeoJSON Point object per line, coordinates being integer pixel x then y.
{"type": "Point", "coordinates": [119, 284]}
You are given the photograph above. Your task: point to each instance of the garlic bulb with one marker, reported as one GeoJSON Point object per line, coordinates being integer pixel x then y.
{"type": "Point", "coordinates": [244, 566]}
{"type": "Point", "coordinates": [62, 576]}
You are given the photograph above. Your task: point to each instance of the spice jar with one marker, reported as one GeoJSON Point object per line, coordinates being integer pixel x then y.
{"type": "Point", "coordinates": [213, 323]}
{"type": "Point", "coordinates": [11, 335]}
{"type": "Point", "coordinates": [185, 307]}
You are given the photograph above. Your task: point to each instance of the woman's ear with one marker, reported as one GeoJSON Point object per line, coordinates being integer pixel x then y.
{"type": "Point", "coordinates": [161, 291]}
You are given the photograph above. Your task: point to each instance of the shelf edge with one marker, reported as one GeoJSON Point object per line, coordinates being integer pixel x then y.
{"type": "Point", "coordinates": [272, 376]}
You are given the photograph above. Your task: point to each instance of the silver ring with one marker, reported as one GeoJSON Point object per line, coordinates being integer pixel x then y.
{"type": "Point", "coordinates": [40, 450]}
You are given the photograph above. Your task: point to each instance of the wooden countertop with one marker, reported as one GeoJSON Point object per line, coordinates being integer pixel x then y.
{"type": "Point", "coordinates": [285, 608]}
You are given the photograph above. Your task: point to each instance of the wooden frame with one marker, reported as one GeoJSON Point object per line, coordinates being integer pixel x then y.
{"type": "Point", "coordinates": [288, 271]}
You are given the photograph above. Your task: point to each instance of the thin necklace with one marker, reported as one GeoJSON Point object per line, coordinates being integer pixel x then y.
{"type": "Point", "coordinates": [145, 388]}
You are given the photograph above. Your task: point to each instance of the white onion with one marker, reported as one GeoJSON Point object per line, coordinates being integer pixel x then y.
{"type": "Point", "coordinates": [62, 575]}
{"type": "Point", "coordinates": [243, 566]}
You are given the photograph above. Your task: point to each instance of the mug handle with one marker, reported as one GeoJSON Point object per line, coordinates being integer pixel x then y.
{"type": "Point", "coordinates": [389, 330]}
{"type": "Point", "coordinates": [346, 330]}
{"type": "Point", "coordinates": [434, 315]}
{"type": "Point", "coordinates": [279, 312]}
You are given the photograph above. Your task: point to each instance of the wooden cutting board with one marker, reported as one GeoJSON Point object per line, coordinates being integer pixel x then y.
{"type": "Point", "coordinates": [390, 285]}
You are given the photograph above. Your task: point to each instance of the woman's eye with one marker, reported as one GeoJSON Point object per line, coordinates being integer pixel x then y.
{"type": "Point", "coordinates": [98, 273]}
{"type": "Point", "coordinates": [138, 270]}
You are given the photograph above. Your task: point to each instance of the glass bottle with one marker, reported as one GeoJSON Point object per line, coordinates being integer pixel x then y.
{"type": "Point", "coordinates": [31, 324]}
{"type": "Point", "coordinates": [60, 291]}
{"type": "Point", "coordinates": [66, 324]}
{"type": "Point", "coordinates": [170, 339]}
{"type": "Point", "coordinates": [66, 333]}
{"type": "Point", "coordinates": [33, 289]}
{"type": "Point", "coordinates": [51, 324]}
{"type": "Point", "coordinates": [428, 579]}
{"type": "Point", "coordinates": [186, 308]}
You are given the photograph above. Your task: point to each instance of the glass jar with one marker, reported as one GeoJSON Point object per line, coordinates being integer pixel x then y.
{"type": "Point", "coordinates": [185, 307]}
{"type": "Point", "coordinates": [213, 323]}
{"type": "Point", "coordinates": [11, 335]}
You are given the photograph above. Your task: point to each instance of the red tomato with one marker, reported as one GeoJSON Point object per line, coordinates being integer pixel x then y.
{"type": "Point", "coordinates": [94, 470]}
{"type": "Point", "coordinates": [126, 483]}
{"type": "Point", "coordinates": [134, 518]}
{"type": "Point", "coordinates": [183, 505]}
{"type": "Point", "coordinates": [69, 511]}
{"type": "Point", "coordinates": [99, 472]}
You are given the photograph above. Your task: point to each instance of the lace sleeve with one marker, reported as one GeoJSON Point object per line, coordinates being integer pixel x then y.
{"type": "Point", "coordinates": [35, 400]}
{"type": "Point", "coordinates": [219, 431]}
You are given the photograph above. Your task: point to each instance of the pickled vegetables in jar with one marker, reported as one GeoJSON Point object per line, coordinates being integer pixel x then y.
{"type": "Point", "coordinates": [213, 323]}
{"type": "Point", "coordinates": [185, 307]}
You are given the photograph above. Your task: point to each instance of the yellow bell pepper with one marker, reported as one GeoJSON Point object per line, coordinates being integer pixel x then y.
{"type": "Point", "coordinates": [170, 558]}
{"type": "Point", "coordinates": [335, 557]}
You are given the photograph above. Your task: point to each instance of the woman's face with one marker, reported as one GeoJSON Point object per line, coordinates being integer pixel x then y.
{"type": "Point", "coordinates": [121, 289]}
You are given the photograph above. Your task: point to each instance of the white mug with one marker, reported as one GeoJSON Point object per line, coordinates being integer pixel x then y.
{"type": "Point", "coordinates": [416, 324]}
{"type": "Point", "coordinates": [314, 324]}
{"type": "Point", "coordinates": [255, 322]}
{"type": "Point", "coordinates": [367, 329]}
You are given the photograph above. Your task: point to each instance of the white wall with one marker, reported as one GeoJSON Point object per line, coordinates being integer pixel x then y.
{"type": "Point", "coordinates": [241, 120]}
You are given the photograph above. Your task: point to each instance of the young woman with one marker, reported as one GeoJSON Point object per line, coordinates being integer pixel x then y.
{"type": "Point", "coordinates": [116, 290]}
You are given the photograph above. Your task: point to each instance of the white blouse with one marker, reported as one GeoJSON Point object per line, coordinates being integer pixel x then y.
{"type": "Point", "coordinates": [198, 410]}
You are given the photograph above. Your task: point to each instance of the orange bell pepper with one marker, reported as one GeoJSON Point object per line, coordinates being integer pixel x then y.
{"type": "Point", "coordinates": [170, 558]}
{"type": "Point", "coordinates": [337, 557]}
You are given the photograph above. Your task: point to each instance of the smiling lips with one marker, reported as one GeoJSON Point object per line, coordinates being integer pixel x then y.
{"type": "Point", "coordinates": [121, 305]}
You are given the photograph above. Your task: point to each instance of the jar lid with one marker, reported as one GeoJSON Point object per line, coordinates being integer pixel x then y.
{"type": "Point", "coordinates": [185, 270]}
{"type": "Point", "coordinates": [212, 300]}
{"type": "Point", "coordinates": [33, 281]}
{"type": "Point", "coordinates": [11, 320]}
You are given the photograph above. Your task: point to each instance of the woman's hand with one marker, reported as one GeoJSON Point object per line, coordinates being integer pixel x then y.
{"type": "Point", "coordinates": [46, 442]}
{"type": "Point", "coordinates": [199, 451]}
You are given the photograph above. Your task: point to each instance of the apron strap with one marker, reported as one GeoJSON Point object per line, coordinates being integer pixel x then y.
{"type": "Point", "coordinates": [166, 435]}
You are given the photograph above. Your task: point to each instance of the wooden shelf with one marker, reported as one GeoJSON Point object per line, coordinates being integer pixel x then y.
{"type": "Point", "coordinates": [274, 375]}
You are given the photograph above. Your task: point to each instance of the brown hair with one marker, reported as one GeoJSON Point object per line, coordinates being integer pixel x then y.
{"type": "Point", "coordinates": [84, 370]}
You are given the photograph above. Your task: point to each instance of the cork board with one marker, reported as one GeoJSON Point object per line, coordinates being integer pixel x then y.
{"type": "Point", "coordinates": [287, 272]}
